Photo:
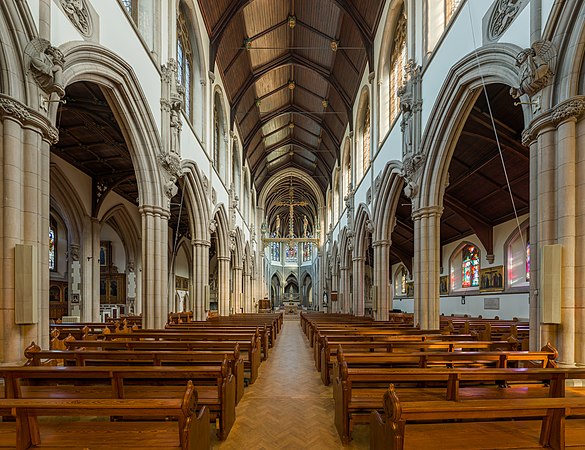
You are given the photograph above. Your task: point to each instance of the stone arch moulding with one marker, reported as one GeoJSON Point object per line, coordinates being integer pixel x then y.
{"type": "Point", "coordinates": [197, 199]}
{"type": "Point", "coordinates": [491, 64]}
{"type": "Point", "coordinates": [222, 231]}
{"type": "Point", "coordinates": [275, 179]}
{"type": "Point", "coordinates": [85, 61]}
{"type": "Point", "coordinates": [362, 218]}
{"type": "Point", "coordinates": [386, 200]}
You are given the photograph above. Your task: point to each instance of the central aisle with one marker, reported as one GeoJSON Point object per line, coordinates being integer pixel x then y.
{"type": "Point", "coordinates": [288, 407]}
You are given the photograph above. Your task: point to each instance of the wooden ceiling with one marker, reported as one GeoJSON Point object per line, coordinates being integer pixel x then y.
{"type": "Point", "coordinates": [291, 69]}
{"type": "Point", "coordinates": [477, 198]}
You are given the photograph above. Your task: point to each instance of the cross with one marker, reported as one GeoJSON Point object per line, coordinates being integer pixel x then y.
{"type": "Point", "coordinates": [291, 204]}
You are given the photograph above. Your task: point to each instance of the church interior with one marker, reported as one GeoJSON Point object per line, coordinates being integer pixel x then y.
{"type": "Point", "coordinates": [290, 224]}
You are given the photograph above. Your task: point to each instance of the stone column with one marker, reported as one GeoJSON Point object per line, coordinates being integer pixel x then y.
{"type": "Point", "coordinates": [426, 268]}
{"type": "Point", "coordinates": [200, 277]}
{"type": "Point", "coordinates": [542, 227]}
{"type": "Point", "coordinates": [566, 230]}
{"type": "Point", "coordinates": [358, 285]}
{"type": "Point", "coordinates": [24, 219]}
{"type": "Point", "coordinates": [75, 281]}
{"type": "Point", "coordinates": [237, 304]}
{"type": "Point", "coordinates": [154, 265]}
{"type": "Point", "coordinates": [343, 293]}
{"type": "Point", "coordinates": [381, 279]}
{"type": "Point", "coordinates": [93, 312]}
{"type": "Point", "coordinates": [45, 19]}
{"type": "Point", "coordinates": [223, 285]}
{"type": "Point", "coordinates": [247, 291]}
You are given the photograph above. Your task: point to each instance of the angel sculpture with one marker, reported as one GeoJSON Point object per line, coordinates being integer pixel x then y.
{"type": "Point", "coordinates": [537, 65]}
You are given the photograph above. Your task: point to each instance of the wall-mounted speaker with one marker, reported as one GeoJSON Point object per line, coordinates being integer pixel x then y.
{"type": "Point", "coordinates": [550, 284]}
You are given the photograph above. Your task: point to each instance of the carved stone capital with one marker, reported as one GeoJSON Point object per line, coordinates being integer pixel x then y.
{"type": "Point", "coordinates": [169, 70]}
{"type": "Point", "coordinates": [411, 166]}
{"type": "Point", "coordinates": [15, 109]}
{"type": "Point", "coordinates": [572, 108]}
{"type": "Point", "coordinates": [171, 162]}
{"type": "Point", "coordinates": [74, 252]}
{"type": "Point", "coordinates": [212, 226]}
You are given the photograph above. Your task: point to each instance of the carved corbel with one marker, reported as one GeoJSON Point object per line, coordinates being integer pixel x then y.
{"type": "Point", "coordinates": [536, 68]}
{"type": "Point", "coordinates": [45, 64]}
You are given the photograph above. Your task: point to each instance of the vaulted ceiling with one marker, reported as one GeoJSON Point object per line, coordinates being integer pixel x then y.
{"type": "Point", "coordinates": [291, 69]}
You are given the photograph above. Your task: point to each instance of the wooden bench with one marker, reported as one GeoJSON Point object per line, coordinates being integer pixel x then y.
{"type": "Point", "coordinates": [215, 386]}
{"type": "Point", "coordinates": [193, 429]}
{"type": "Point", "coordinates": [84, 355]}
{"type": "Point", "coordinates": [389, 432]}
{"type": "Point", "coordinates": [329, 348]}
{"type": "Point", "coordinates": [359, 391]}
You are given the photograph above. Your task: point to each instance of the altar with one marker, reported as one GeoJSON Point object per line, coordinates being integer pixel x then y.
{"type": "Point", "coordinates": [291, 307]}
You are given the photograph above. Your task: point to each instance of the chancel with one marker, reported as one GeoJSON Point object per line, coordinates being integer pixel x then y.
{"type": "Point", "coordinates": [270, 224]}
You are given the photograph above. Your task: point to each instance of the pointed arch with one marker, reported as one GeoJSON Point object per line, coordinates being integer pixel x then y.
{"type": "Point", "coordinates": [197, 199]}
{"type": "Point", "coordinates": [362, 218]}
{"type": "Point", "coordinates": [222, 231]}
{"type": "Point", "coordinates": [86, 61]}
{"type": "Point", "coordinates": [119, 218]}
{"type": "Point", "coordinates": [495, 63]}
{"type": "Point", "coordinates": [363, 150]}
{"type": "Point", "coordinates": [386, 201]}
{"type": "Point", "coordinates": [66, 201]}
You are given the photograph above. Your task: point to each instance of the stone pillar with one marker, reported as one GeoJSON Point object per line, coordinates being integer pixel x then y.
{"type": "Point", "coordinates": [566, 230]}
{"type": "Point", "coordinates": [247, 291]}
{"type": "Point", "coordinates": [542, 227]}
{"type": "Point", "coordinates": [343, 293]}
{"type": "Point", "coordinates": [94, 268]}
{"type": "Point", "coordinates": [75, 284]}
{"type": "Point", "coordinates": [381, 279]}
{"type": "Point", "coordinates": [200, 277]}
{"type": "Point", "coordinates": [237, 304]}
{"type": "Point", "coordinates": [223, 285]}
{"type": "Point", "coordinates": [45, 19]}
{"type": "Point", "coordinates": [24, 219]}
{"type": "Point", "coordinates": [426, 267]}
{"type": "Point", "coordinates": [154, 265]}
{"type": "Point", "coordinates": [358, 285]}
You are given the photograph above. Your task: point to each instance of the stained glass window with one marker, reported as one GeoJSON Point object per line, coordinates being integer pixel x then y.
{"type": "Point", "coordinates": [275, 248]}
{"type": "Point", "coordinates": [307, 251]}
{"type": "Point", "coordinates": [366, 142]}
{"type": "Point", "coordinates": [397, 64]}
{"type": "Point", "coordinates": [184, 62]}
{"type": "Point", "coordinates": [470, 266]}
{"type": "Point", "coordinates": [528, 261]}
{"type": "Point", "coordinates": [291, 252]}
{"type": "Point", "coordinates": [52, 247]}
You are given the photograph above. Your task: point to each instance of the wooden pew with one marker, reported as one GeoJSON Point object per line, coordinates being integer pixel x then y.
{"type": "Point", "coordinates": [214, 384]}
{"type": "Point", "coordinates": [193, 429]}
{"type": "Point", "coordinates": [389, 432]}
{"type": "Point", "coordinates": [359, 391]}
{"type": "Point", "coordinates": [81, 353]}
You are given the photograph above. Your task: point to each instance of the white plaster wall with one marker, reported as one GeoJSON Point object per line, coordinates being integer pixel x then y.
{"type": "Point", "coordinates": [181, 264]}
{"type": "Point", "coordinates": [34, 10]}
{"type": "Point", "coordinates": [81, 181]}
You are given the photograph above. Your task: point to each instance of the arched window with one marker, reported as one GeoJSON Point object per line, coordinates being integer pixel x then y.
{"type": "Point", "coordinates": [246, 196]}
{"type": "Point", "coordinates": [236, 169]}
{"type": "Point", "coordinates": [518, 264]}
{"type": "Point", "coordinates": [470, 266]}
{"type": "Point", "coordinates": [216, 136]}
{"type": "Point", "coordinates": [275, 248]}
{"type": "Point", "coordinates": [366, 140]}
{"type": "Point", "coordinates": [346, 172]}
{"type": "Point", "coordinates": [336, 196]}
{"type": "Point", "coordinates": [53, 245]}
{"type": "Point", "coordinates": [397, 64]}
{"type": "Point", "coordinates": [400, 282]}
{"type": "Point", "coordinates": [450, 8]}
{"type": "Point", "coordinates": [185, 62]}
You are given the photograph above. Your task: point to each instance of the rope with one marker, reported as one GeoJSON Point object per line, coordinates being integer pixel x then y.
{"type": "Point", "coordinates": [484, 86]}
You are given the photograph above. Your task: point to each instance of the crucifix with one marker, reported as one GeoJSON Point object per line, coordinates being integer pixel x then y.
{"type": "Point", "coordinates": [291, 204]}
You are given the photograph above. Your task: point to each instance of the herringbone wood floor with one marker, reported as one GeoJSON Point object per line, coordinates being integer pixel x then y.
{"type": "Point", "coordinates": [288, 407]}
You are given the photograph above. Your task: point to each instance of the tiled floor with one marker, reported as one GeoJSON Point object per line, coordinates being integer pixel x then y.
{"type": "Point", "coordinates": [288, 407]}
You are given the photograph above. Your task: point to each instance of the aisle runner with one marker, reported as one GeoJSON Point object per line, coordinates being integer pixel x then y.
{"type": "Point", "coordinates": [288, 407]}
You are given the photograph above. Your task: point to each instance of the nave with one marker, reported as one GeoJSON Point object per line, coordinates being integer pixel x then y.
{"type": "Point", "coordinates": [288, 407]}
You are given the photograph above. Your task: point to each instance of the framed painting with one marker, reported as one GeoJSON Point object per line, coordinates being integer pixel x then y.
{"type": "Point", "coordinates": [491, 279]}
{"type": "Point", "coordinates": [444, 285]}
